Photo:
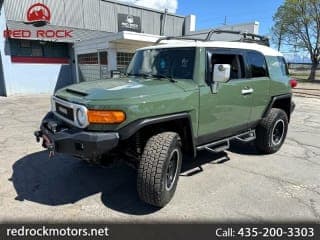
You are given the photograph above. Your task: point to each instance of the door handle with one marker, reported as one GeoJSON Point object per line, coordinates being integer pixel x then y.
{"type": "Point", "coordinates": [247, 91]}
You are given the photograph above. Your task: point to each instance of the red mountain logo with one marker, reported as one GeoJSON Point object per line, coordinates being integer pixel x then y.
{"type": "Point", "coordinates": [38, 15]}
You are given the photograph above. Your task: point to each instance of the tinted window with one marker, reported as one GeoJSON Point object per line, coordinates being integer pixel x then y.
{"type": "Point", "coordinates": [256, 64]}
{"type": "Point", "coordinates": [33, 48]}
{"type": "Point", "coordinates": [164, 62]}
{"type": "Point", "coordinates": [235, 61]}
{"type": "Point", "coordinates": [277, 67]}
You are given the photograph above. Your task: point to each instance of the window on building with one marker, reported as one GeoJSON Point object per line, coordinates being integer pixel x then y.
{"type": "Point", "coordinates": [37, 52]}
{"type": "Point", "coordinates": [123, 60]}
{"type": "Point", "coordinates": [25, 44]}
{"type": "Point", "coordinates": [32, 51]}
{"type": "Point", "coordinates": [103, 58]}
{"type": "Point", "coordinates": [89, 58]}
{"type": "Point", "coordinates": [257, 65]}
{"type": "Point", "coordinates": [28, 48]}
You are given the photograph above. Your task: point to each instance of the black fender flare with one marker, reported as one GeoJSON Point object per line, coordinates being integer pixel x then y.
{"type": "Point", "coordinates": [133, 127]}
{"type": "Point", "coordinates": [274, 99]}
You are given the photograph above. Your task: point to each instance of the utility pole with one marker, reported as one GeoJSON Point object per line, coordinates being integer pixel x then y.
{"type": "Point", "coordinates": [225, 20]}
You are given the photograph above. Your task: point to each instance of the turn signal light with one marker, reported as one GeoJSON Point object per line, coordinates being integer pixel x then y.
{"type": "Point", "coordinates": [111, 117]}
{"type": "Point", "coordinates": [293, 83]}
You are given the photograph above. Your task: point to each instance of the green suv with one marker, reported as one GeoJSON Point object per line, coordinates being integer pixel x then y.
{"type": "Point", "coordinates": [177, 98]}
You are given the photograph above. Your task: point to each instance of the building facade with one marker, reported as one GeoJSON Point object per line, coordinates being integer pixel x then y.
{"type": "Point", "coordinates": [49, 44]}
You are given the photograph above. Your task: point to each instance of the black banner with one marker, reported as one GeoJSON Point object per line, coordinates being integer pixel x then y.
{"type": "Point", "coordinates": [160, 231]}
{"type": "Point", "coordinates": [129, 23]}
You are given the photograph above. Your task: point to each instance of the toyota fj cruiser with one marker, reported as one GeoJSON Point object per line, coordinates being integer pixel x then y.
{"type": "Point", "coordinates": [177, 97]}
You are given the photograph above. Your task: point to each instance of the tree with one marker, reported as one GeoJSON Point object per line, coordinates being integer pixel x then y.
{"type": "Point", "coordinates": [297, 23]}
{"type": "Point", "coordinates": [277, 29]}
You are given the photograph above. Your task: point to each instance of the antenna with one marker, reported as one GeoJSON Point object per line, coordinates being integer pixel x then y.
{"type": "Point", "coordinates": [225, 20]}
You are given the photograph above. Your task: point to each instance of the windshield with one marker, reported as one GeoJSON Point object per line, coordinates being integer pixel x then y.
{"type": "Point", "coordinates": [177, 63]}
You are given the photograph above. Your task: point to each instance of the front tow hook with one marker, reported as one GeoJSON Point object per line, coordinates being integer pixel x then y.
{"type": "Point", "coordinates": [38, 135]}
{"type": "Point", "coordinates": [46, 142]}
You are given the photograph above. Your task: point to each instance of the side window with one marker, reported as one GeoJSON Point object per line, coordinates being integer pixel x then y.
{"type": "Point", "coordinates": [284, 66]}
{"type": "Point", "coordinates": [257, 65]}
{"type": "Point", "coordinates": [235, 61]}
{"type": "Point", "coordinates": [277, 67]}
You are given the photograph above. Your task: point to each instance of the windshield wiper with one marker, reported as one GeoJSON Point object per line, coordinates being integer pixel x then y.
{"type": "Point", "coordinates": [132, 74]}
{"type": "Point", "coordinates": [145, 75]}
{"type": "Point", "coordinates": [150, 75]}
{"type": "Point", "coordinates": [164, 77]}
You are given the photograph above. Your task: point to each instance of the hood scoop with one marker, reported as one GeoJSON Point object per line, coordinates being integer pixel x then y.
{"type": "Point", "coordinates": [75, 92]}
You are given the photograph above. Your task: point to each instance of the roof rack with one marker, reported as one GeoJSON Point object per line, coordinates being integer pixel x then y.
{"type": "Point", "coordinates": [245, 37]}
{"type": "Point", "coordinates": [176, 38]}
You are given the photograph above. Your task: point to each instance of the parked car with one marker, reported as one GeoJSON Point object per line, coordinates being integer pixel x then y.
{"type": "Point", "coordinates": [178, 97]}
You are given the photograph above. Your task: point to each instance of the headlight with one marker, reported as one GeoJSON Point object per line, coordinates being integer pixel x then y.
{"type": "Point", "coordinates": [81, 116]}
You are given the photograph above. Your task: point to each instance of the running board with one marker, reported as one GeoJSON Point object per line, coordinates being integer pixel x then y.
{"type": "Point", "coordinates": [224, 144]}
{"type": "Point", "coordinates": [247, 137]}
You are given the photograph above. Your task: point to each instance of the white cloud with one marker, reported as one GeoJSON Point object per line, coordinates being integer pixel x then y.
{"type": "Point", "coordinates": [161, 5]}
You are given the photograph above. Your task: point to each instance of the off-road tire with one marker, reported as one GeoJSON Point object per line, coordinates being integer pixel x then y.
{"type": "Point", "coordinates": [265, 142]}
{"type": "Point", "coordinates": [152, 171]}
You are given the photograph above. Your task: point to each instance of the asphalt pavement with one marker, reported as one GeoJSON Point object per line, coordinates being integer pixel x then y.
{"type": "Point", "coordinates": [237, 185]}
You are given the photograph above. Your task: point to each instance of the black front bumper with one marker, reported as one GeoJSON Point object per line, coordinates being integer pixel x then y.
{"type": "Point", "coordinates": [59, 137]}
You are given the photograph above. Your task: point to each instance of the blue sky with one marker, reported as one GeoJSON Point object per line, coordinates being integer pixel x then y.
{"type": "Point", "coordinates": [212, 13]}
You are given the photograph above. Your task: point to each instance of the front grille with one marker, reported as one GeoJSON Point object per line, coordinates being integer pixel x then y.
{"type": "Point", "coordinates": [64, 111]}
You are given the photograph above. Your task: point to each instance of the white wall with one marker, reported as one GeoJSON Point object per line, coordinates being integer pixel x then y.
{"type": "Point", "coordinates": [190, 24]}
{"type": "Point", "coordinates": [26, 78]}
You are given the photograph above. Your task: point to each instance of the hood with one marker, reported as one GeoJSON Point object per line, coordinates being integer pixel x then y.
{"type": "Point", "coordinates": [124, 88]}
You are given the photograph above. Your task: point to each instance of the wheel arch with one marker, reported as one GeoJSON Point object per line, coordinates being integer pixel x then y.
{"type": "Point", "coordinates": [180, 123]}
{"type": "Point", "coordinates": [283, 102]}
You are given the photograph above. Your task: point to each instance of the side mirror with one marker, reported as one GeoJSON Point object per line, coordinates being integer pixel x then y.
{"type": "Point", "coordinates": [221, 73]}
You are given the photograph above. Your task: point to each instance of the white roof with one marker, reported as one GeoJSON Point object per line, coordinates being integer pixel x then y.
{"type": "Point", "coordinates": [216, 44]}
